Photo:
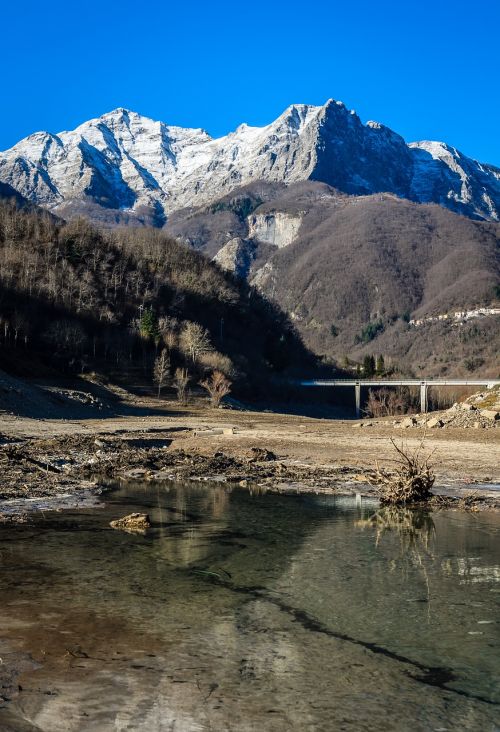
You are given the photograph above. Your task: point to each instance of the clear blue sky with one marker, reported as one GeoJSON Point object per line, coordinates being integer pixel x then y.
{"type": "Point", "coordinates": [429, 70]}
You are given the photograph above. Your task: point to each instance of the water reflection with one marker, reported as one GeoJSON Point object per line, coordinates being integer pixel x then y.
{"type": "Point", "coordinates": [239, 611]}
{"type": "Point", "coordinates": [414, 528]}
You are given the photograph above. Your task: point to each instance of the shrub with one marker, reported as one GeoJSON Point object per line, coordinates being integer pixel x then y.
{"type": "Point", "coordinates": [386, 402]}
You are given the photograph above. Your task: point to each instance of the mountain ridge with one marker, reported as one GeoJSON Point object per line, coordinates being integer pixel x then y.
{"type": "Point", "coordinates": [123, 167]}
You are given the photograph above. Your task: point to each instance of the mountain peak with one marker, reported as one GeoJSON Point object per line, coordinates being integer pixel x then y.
{"type": "Point", "coordinates": [123, 160]}
{"type": "Point", "coordinates": [122, 113]}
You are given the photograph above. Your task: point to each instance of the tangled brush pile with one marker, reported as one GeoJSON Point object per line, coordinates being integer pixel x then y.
{"type": "Point", "coordinates": [409, 482]}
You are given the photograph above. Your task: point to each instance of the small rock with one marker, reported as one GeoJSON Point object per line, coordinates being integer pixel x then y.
{"type": "Point", "coordinates": [135, 473]}
{"type": "Point", "coordinates": [435, 422]}
{"type": "Point", "coordinates": [161, 475]}
{"type": "Point", "coordinates": [260, 454]}
{"type": "Point", "coordinates": [132, 522]}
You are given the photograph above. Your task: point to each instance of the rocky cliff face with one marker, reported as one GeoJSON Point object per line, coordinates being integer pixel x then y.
{"type": "Point", "coordinates": [236, 256]}
{"type": "Point", "coordinates": [129, 168]}
{"type": "Point", "coordinates": [275, 228]}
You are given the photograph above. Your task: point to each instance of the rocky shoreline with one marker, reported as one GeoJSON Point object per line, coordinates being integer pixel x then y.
{"type": "Point", "coordinates": [73, 470]}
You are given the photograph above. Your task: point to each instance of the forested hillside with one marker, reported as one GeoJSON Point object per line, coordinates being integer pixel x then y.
{"type": "Point", "coordinates": [75, 299]}
{"type": "Point", "coordinates": [352, 271]}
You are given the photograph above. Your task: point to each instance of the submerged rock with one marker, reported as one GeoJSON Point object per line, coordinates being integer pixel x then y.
{"type": "Point", "coordinates": [132, 522]}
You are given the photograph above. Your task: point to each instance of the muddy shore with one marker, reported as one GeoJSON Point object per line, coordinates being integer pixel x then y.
{"type": "Point", "coordinates": [54, 463]}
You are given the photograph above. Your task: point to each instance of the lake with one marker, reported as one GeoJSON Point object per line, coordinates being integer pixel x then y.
{"type": "Point", "coordinates": [244, 611]}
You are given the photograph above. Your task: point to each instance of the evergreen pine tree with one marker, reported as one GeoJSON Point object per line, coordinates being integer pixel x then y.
{"type": "Point", "coordinates": [380, 368]}
{"type": "Point", "coordinates": [148, 326]}
{"type": "Point", "coordinates": [368, 366]}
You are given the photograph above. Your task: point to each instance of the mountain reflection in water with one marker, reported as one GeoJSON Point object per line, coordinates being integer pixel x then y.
{"type": "Point", "coordinates": [241, 612]}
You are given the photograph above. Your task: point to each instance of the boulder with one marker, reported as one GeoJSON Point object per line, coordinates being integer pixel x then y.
{"type": "Point", "coordinates": [467, 407]}
{"type": "Point", "coordinates": [408, 422]}
{"type": "Point", "coordinates": [490, 414]}
{"type": "Point", "coordinates": [435, 422]}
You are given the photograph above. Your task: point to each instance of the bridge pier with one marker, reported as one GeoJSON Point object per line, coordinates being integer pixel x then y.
{"type": "Point", "coordinates": [423, 397]}
{"type": "Point", "coordinates": [357, 393]}
{"type": "Point", "coordinates": [424, 386]}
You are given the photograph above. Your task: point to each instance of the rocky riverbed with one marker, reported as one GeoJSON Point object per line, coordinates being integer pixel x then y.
{"type": "Point", "coordinates": [72, 469]}
{"type": "Point", "coordinates": [57, 455]}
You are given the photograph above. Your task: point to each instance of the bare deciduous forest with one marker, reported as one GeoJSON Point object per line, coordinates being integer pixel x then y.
{"type": "Point", "coordinates": [76, 299]}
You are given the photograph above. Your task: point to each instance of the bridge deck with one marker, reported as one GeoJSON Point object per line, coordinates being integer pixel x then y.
{"type": "Point", "coordinates": [401, 382]}
{"type": "Point", "coordinates": [423, 384]}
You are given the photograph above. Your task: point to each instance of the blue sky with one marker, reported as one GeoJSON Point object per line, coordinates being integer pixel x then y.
{"type": "Point", "coordinates": [429, 70]}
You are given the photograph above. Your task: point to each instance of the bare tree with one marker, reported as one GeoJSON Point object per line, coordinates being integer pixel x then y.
{"type": "Point", "coordinates": [195, 340]}
{"type": "Point", "coordinates": [387, 402]}
{"type": "Point", "coordinates": [217, 385]}
{"type": "Point", "coordinates": [67, 335]}
{"type": "Point", "coordinates": [167, 328]}
{"type": "Point", "coordinates": [19, 325]}
{"type": "Point", "coordinates": [181, 380]}
{"type": "Point", "coordinates": [161, 370]}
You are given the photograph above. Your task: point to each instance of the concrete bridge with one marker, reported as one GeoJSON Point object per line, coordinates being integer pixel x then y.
{"type": "Point", "coordinates": [424, 385]}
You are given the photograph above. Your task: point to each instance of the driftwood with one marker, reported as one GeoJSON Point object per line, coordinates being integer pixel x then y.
{"type": "Point", "coordinates": [16, 454]}
{"type": "Point", "coordinates": [410, 481]}
{"type": "Point", "coordinates": [134, 522]}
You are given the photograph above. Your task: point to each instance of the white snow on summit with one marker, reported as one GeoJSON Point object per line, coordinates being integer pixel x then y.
{"type": "Point", "coordinates": [124, 161]}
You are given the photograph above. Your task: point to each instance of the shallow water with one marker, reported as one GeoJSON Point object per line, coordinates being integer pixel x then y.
{"type": "Point", "coordinates": [250, 612]}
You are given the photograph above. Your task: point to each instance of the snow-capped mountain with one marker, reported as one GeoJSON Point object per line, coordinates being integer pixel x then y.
{"type": "Point", "coordinates": [123, 166]}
